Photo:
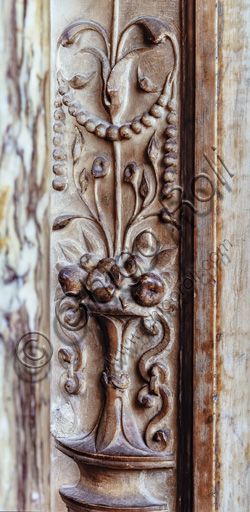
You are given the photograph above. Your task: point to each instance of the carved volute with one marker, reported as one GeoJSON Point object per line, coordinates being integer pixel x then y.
{"type": "Point", "coordinates": [116, 171]}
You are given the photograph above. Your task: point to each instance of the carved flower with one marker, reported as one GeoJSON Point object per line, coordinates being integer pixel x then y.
{"type": "Point", "coordinates": [100, 167]}
{"type": "Point", "coordinates": [130, 173]}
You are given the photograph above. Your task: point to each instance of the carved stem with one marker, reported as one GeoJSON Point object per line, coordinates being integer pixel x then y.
{"type": "Point", "coordinates": [115, 30]}
{"type": "Point", "coordinates": [131, 221]}
{"type": "Point", "coordinates": [102, 221]}
{"type": "Point", "coordinates": [118, 196]}
{"type": "Point", "coordinates": [136, 216]}
{"type": "Point", "coordinates": [95, 217]}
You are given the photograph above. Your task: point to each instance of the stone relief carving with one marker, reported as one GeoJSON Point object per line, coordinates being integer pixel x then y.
{"type": "Point", "coordinates": [122, 169]}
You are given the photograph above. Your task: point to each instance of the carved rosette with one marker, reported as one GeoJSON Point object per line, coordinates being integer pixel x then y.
{"type": "Point", "coordinates": [117, 283]}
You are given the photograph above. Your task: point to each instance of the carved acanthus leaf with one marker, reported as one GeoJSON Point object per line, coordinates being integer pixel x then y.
{"type": "Point", "coordinates": [77, 145]}
{"type": "Point", "coordinates": [79, 81]}
{"type": "Point", "coordinates": [69, 250]}
{"type": "Point", "coordinates": [170, 278]}
{"type": "Point", "coordinates": [63, 220]}
{"type": "Point", "coordinates": [164, 258]}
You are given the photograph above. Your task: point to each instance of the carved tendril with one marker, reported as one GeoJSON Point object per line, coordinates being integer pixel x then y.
{"type": "Point", "coordinates": [156, 375]}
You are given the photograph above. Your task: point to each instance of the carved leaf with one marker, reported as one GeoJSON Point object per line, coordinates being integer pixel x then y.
{"type": "Point", "coordinates": [118, 83]}
{"type": "Point", "coordinates": [153, 149]}
{"type": "Point", "coordinates": [74, 30]}
{"type": "Point", "coordinates": [164, 258]}
{"type": "Point", "coordinates": [84, 181]}
{"type": "Point", "coordinates": [80, 81]}
{"type": "Point", "coordinates": [155, 30]}
{"type": "Point", "coordinates": [170, 278]}
{"type": "Point", "coordinates": [87, 242]}
{"type": "Point", "coordinates": [63, 220]}
{"type": "Point", "coordinates": [105, 67]}
{"type": "Point", "coordinates": [144, 186]}
{"type": "Point", "coordinates": [117, 88]}
{"type": "Point", "coordinates": [70, 251]}
{"type": "Point", "coordinates": [77, 145]}
{"type": "Point", "coordinates": [145, 83]}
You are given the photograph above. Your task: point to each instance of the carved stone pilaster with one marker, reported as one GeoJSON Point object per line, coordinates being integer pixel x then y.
{"type": "Point", "coordinates": [116, 254]}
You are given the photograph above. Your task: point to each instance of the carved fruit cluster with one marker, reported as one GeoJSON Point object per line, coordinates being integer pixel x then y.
{"type": "Point", "coordinates": [103, 280]}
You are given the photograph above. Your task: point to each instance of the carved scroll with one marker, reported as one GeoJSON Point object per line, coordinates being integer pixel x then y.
{"type": "Point", "coordinates": [115, 162]}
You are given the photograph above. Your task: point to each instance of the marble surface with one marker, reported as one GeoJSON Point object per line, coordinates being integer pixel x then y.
{"type": "Point", "coordinates": [24, 197]}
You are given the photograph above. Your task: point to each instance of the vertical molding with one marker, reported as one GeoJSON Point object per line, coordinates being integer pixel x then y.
{"type": "Point", "coordinates": [204, 395]}
{"type": "Point", "coordinates": [185, 460]}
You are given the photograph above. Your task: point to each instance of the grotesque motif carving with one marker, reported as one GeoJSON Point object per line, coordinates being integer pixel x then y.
{"type": "Point", "coordinates": [116, 281]}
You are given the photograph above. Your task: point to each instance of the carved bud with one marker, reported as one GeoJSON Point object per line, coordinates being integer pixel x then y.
{"type": "Point", "coordinates": [130, 173]}
{"type": "Point", "coordinates": [150, 326]}
{"type": "Point", "coordinates": [100, 167]}
{"type": "Point", "coordinates": [144, 186]}
{"type": "Point", "coordinates": [101, 130]}
{"type": "Point", "coordinates": [149, 290]}
{"type": "Point", "coordinates": [153, 149]}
